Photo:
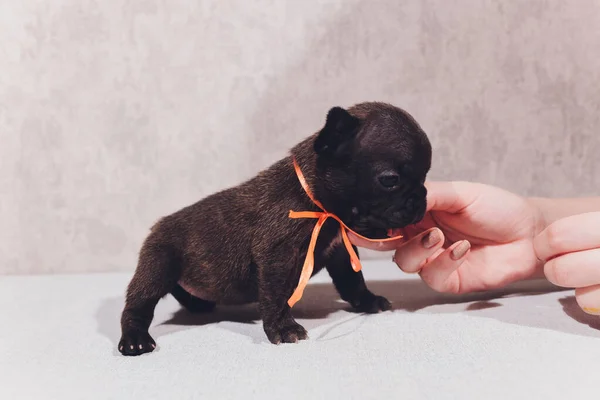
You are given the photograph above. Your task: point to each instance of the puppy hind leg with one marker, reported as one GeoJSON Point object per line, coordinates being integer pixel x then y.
{"type": "Point", "coordinates": [158, 270]}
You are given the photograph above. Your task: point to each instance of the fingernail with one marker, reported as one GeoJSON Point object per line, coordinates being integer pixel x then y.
{"type": "Point", "coordinates": [431, 239]}
{"type": "Point", "coordinates": [592, 310]}
{"type": "Point", "coordinates": [460, 250]}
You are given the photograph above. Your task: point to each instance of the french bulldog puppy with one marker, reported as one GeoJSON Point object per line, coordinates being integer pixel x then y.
{"type": "Point", "coordinates": [367, 165]}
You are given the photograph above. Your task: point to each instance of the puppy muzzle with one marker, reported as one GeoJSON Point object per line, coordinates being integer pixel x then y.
{"type": "Point", "coordinates": [411, 209]}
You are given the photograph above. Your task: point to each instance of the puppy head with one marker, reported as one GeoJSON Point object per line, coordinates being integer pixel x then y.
{"type": "Point", "coordinates": [372, 161]}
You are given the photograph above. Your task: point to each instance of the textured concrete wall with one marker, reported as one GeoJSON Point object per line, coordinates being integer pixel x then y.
{"type": "Point", "coordinates": [113, 113]}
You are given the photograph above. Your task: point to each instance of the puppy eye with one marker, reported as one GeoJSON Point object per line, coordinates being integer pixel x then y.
{"type": "Point", "coordinates": [388, 179]}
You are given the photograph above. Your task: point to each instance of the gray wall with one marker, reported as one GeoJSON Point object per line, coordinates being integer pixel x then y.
{"type": "Point", "coordinates": [113, 113]}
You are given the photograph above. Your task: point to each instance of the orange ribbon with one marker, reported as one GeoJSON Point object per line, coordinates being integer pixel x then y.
{"type": "Point", "coordinates": [322, 216]}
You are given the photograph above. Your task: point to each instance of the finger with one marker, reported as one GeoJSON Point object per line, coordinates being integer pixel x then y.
{"type": "Point", "coordinates": [433, 257]}
{"type": "Point", "coordinates": [450, 197]}
{"type": "Point", "coordinates": [378, 246]}
{"type": "Point", "coordinates": [576, 233]}
{"type": "Point", "coordinates": [588, 299]}
{"type": "Point", "coordinates": [441, 273]}
{"type": "Point", "coordinates": [426, 223]}
{"type": "Point", "coordinates": [579, 269]}
{"type": "Point", "coordinates": [411, 255]}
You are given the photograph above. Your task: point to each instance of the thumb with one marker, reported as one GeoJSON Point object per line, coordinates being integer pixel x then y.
{"type": "Point", "coordinates": [588, 299]}
{"type": "Point", "coordinates": [451, 197]}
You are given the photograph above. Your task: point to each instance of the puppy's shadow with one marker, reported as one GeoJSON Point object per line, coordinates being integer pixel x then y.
{"type": "Point", "coordinates": [321, 305]}
{"type": "Point", "coordinates": [318, 303]}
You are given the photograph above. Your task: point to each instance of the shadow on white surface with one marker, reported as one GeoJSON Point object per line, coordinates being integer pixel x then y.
{"type": "Point", "coordinates": [532, 303]}
{"type": "Point", "coordinates": [572, 309]}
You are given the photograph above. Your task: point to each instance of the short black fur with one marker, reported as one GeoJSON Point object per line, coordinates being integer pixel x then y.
{"type": "Point", "coordinates": [238, 246]}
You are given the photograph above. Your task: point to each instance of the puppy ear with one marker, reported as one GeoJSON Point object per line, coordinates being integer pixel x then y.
{"type": "Point", "coordinates": [340, 127]}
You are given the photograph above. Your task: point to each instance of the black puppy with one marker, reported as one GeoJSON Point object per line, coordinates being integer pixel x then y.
{"type": "Point", "coordinates": [367, 165]}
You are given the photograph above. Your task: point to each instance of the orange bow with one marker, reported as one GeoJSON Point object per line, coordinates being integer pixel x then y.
{"type": "Point", "coordinates": [322, 216]}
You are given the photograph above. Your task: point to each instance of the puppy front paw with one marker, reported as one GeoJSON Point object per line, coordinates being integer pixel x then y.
{"type": "Point", "coordinates": [290, 333]}
{"type": "Point", "coordinates": [371, 304]}
{"type": "Point", "coordinates": [136, 343]}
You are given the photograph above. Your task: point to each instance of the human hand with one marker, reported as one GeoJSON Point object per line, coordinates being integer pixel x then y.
{"type": "Point", "coordinates": [473, 237]}
{"type": "Point", "coordinates": [570, 248]}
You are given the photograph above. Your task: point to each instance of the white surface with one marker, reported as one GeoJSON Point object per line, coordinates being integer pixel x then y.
{"type": "Point", "coordinates": [59, 334]}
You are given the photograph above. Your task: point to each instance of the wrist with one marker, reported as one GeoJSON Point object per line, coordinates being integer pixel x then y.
{"type": "Point", "coordinates": [551, 210]}
{"type": "Point", "coordinates": [541, 212]}
{"type": "Point", "coordinates": [541, 209]}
